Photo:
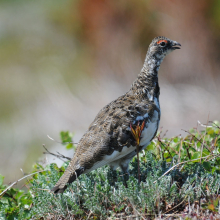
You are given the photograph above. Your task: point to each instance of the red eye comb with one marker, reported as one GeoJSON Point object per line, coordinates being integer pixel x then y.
{"type": "Point", "coordinates": [160, 41]}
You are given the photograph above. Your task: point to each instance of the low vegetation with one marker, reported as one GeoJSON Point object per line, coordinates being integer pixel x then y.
{"type": "Point", "coordinates": [180, 177]}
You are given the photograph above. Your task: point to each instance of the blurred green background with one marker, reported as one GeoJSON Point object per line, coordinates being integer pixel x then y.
{"type": "Point", "coordinates": [62, 61]}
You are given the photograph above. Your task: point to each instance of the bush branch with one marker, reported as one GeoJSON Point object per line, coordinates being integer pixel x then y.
{"type": "Point", "coordinates": [183, 163]}
{"type": "Point", "coordinates": [20, 180]}
{"type": "Point", "coordinates": [59, 155]}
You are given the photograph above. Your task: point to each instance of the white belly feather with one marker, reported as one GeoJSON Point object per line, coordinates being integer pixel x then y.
{"type": "Point", "coordinates": [110, 158]}
{"type": "Point", "coordinates": [149, 130]}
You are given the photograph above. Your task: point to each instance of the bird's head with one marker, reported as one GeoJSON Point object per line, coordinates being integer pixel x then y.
{"type": "Point", "coordinates": [161, 46]}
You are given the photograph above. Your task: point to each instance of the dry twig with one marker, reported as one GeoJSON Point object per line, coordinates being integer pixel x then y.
{"type": "Point", "coordinates": [175, 206]}
{"type": "Point", "coordinates": [20, 180]}
{"type": "Point", "coordinates": [197, 139]}
{"type": "Point", "coordinates": [184, 163]}
{"type": "Point", "coordinates": [67, 142]}
{"type": "Point", "coordinates": [59, 155]}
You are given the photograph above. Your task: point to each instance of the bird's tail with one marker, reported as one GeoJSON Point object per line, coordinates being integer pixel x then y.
{"type": "Point", "coordinates": [67, 177]}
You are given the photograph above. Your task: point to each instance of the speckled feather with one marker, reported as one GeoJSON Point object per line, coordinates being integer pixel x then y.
{"type": "Point", "coordinates": [109, 134]}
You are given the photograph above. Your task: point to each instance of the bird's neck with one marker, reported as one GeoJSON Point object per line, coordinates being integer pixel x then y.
{"type": "Point", "coordinates": [147, 80]}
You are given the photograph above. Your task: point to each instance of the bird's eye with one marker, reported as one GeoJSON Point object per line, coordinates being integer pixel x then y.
{"type": "Point", "coordinates": [162, 43]}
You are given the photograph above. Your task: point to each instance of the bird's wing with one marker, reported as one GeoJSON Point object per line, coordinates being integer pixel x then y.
{"type": "Point", "coordinates": [109, 132]}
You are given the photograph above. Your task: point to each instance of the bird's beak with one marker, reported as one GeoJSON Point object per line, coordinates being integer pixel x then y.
{"type": "Point", "coordinates": [174, 44]}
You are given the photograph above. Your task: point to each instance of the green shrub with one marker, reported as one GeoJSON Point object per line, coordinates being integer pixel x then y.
{"type": "Point", "coordinates": [102, 193]}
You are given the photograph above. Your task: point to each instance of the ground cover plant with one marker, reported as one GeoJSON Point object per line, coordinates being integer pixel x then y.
{"type": "Point", "coordinates": [180, 177]}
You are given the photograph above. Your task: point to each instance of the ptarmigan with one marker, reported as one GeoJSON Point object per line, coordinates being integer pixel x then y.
{"type": "Point", "coordinates": [109, 139]}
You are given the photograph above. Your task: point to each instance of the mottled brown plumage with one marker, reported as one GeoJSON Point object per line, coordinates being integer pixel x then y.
{"type": "Point", "coordinates": [108, 139]}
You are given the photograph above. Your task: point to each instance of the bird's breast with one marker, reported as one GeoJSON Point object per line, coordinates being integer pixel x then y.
{"type": "Point", "coordinates": [150, 129]}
